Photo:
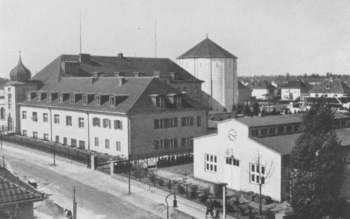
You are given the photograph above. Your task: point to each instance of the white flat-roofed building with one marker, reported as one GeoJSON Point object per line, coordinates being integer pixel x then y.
{"type": "Point", "coordinates": [228, 156]}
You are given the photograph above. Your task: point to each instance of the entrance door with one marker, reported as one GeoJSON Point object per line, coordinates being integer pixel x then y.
{"type": "Point", "coordinates": [9, 124]}
{"type": "Point", "coordinates": [232, 173]}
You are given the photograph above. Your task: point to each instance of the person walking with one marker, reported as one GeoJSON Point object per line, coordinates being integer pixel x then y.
{"type": "Point", "coordinates": [210, 206]}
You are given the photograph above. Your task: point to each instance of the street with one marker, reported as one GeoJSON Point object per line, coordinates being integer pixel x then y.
{"type": "Point", "coordinates": [92, 203]}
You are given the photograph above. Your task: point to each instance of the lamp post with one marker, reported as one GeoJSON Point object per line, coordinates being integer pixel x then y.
{"type": "Point", "coordinates": [167, 205]}
{"type": "Point", "coordinates": [223, 199]}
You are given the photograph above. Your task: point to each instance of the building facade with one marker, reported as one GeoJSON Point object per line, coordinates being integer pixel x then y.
{"type": "Point", "coordinates": [262, 90]}
{"type": "Point", "coordinates": [293, 90]}
{"type": "Point", "coordinates": [212, 64]}
{"type": "Point", "coordinates": [254, 150]}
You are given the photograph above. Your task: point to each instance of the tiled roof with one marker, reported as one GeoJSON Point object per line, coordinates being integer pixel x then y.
{"type": "Point", "coordinates": [261, 85]}
{"type": "Point", "coordinates": [331, 86]}
{"type": "Point", "coordinates": [278, 120]}
{"type": "Point", "coordinates": [283, 144]}
{"type": "Point", "coordinates": [295, 84]}
{"type": "Point", "coordinates": [109, 65]}
{"type": "Point", "coordinates": [242, 86]}
{"type": "Point", "coordinates": [207, 49]}
{"type": "Point", "coordinates": [14, 190]}
{"type": "Point", "coordinates": [134, 94]}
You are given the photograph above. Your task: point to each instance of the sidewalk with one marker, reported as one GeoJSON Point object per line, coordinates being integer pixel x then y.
{"type": "Point", "coordinates": [142, 195]}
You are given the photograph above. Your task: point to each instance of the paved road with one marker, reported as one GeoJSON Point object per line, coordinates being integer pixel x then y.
{"type": "Point", "coordinates": [92, 203]}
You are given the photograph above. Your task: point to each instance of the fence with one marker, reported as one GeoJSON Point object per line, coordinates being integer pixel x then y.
{"type": "Point", "coordinates": [71, 153]}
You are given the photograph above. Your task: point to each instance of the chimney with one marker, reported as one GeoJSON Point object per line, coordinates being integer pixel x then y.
{"type": "Point", "coordinates": [121, 81]}
{"type": "Point", "coordinates": [139, 74]}
{"type": "Point", "coordinates": [84, 58]}
{"type": "Point", "coordinates": [93, 79]}
{"type": "Point", "coordinates": [119, 74]}
{"type": "Point", "coordinates": [98, 74]}
{"type": "Point", "coordinates": [120, 55]}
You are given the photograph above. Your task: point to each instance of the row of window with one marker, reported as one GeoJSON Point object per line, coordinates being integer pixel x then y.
{"type": "Point", "coordinates": [117, 124]}
{"type": "Point", "coordinates": [172, 143]}
{"type": "Point", "coordinates": [232, 161]}
{"type": "Point", "coordinates": [74, 141]}
{"type": "Point", "coordinates": [259, 132]}
{"type": "Point", "coordinates": [172, 122]}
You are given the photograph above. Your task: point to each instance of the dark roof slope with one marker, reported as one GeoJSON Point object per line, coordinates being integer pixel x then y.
{"type": "Point", "coordinates": [109, 65]}
{"type": "Point", "coordinates": [295, 84]}
{"type": "Point", "coordinates": [261, 85]}
{"type": "Point", "coordinates": [242, 86]}
{"type": "Point", "coordinates": [14, 190]}
{"type": "Point", "coordinates": [331, 86]}
{"type": "Point", "coordinates": [207, 49]}
{"type": "Point", "coordinates": [133, 95]}
{"type": "Point", "coordinates": [284, 144]}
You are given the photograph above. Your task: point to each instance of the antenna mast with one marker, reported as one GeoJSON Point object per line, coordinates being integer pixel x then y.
{"type": "Point", "coordinates": [80, 30]}
{"type": "Point", "coordinates": [155, 38]}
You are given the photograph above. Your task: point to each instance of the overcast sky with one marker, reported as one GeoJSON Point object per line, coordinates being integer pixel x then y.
{"type": "Point", "coordinates": [268, 36]}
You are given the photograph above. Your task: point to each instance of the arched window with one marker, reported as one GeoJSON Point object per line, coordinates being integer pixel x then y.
{"type": "Point", "coordinates": [2, 113]}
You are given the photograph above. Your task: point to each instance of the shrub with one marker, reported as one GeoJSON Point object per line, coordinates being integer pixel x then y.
{"type": "Point", "coordinates": [161, 182]}
{"type": "Point", "coordinates": [218, 190]}
{"type": "Point", "coordinates": [181, 189]}
{"type": "Point", "coordinates": [152, 177]}
{"type": "Point", "coordinates": [194, 190]}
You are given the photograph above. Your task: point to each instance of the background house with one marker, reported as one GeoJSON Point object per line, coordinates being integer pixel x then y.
{"type": "Point", "coordinates": [293, 90]}
{"type": "Point", "coordinates": [262, 90]}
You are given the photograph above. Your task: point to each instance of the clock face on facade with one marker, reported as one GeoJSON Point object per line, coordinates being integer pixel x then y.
{"type": "Point", "coordinates": [232, 135]}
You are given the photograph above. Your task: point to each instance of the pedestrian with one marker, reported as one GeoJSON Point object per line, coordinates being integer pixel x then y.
{"type": "Point", "coordinates": [210, 206]}
{"type": "Point", "coordinates": [68, 213]}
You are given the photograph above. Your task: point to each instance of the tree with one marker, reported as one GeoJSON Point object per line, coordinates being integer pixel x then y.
{"type": "Point", "coordinates": [315, 166]}
{"type": "Point", "coordinates": [266, 170]}
{"type": "Point", "coordinates": [246, 110]}
{"type": "Point", "coordinates": [234, 108]}
{"type": "Point", "coordinates": [256, 109]}
{"type": "Point", "coordinates": [287, 76]}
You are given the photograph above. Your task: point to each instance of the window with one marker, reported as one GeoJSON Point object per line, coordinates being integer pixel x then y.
{"type": "Point", "coordinates": [263, 132]}
{"type": "Point", "coordinates": [118, 124]}
{"type": "Point", "coordinates": [73, 142]}
{"type": "Point", "coordinates": [187, 121]}
{"type": "Point", "coordinates": [68, 121]}
{"type": "Point", "coordinates": [159, 123]}
{"type": "Point", "coordinates": [172, 122]}
{"type": "Point", "coordinates": [97, 101]}
{"type": "Point", "coordinates": [24, 114]}
{"type": "Point", "coordinates": [199, 121]}
{"type": "Point", "coordinates": [46, 117]}
{"type": "Point", "coordinates": [343, 123]}
{"type": "Point", "coordinates": [81, 122]}
{"type": "Point", "coordinates": [57, 139]}
{"type": "Point", "coordinates": [289, 129]}
{"type": "Point", "coordinates": [178, 101]}
{"type": "Point", "coordinates": [160, 102]}
{"type": "Point", "coordinates": [106, 123]}
{"type": "Point", "coordinates": [255, 132]}
{"type": "Point", "coordinates": [96, 141]}
{"type": "Point", "coordinates": [280, 130]}
{"type": "Point", "coordinates": [210, 163]}
{"type": "Point", "coordinates": [49, 97]}
{"type": "Point", "coordinates": [35, 134]}
{"type": "Point", "coordinates": [96, 122]}
{"type": "Point", "coordinates": [82, 144]}
{"type": "Point", "coordinates": [159, 144]}
{"type": "Point", "coordinates": [56, 119]}
{"type": "Point", "coordinates": [35, 116]}
{"type": "Point", "coordinates": [46, 137]}
{"type": "Point", "coordinates": [112, 101]}
{"type": "Point", "coordinates": [72, 98]}
{"type": "Point", "coordinates": [188, 141]}
{"type": "Point", "coordinates": [9, 101]}
{"type": "Point", "coordinates": [173, 143]}
{"type": "Point", "coordinates": [60, 98]}
{"type": "Point", "coordinates": [85, 99]}
{"type": "Point", "coordinates": [107, 143]}
{"type": "Point", "coordinates": [232, 161]}
{"type": "Point", "coordinates": [165, 123]}
{"type": "Point", "coordinates": [65, 141]}
{"type": "Point", "coordinates": [118, 146]}
{"type": "Point", "coordinates": [24, 132]}
{"type": "Point", "coordinates": [272, 131]}
{"type": "Point", "coordinates": [257, 173]}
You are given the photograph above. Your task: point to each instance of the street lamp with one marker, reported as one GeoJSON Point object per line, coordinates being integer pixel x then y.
{"type": "Point", "coordinates": [223, 199]}
{"type": "Point", "coordinates": [167, 205]}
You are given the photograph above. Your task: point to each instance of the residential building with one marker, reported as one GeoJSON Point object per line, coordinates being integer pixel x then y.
{"type": "Point", "coordinates": [217, 67]}
{"type": "Point", "coordinates": [262, 90]}
{"type": "Point", "coordinates": [293, 90]}
{"type": "Point", "coordinates": [330, 88]}
{"type": "Point", "coordinates": [243, 141]}
{"type": "Point", "coordinates": [17, 197]}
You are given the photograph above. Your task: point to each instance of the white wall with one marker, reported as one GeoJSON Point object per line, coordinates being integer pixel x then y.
{"type": "Point", "coordinates": [243, 150]}
{"type": "Point", "coordinates": [285, 93]}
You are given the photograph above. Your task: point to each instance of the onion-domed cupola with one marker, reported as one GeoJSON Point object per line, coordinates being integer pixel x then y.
{"type": "Point", "coordinates": [20, 72]}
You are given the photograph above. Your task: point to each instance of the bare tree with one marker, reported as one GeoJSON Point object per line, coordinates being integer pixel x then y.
{"type": "Point", "coordinates": [264, 171]}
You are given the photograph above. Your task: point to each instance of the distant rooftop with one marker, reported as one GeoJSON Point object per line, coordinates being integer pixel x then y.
{"type": "Point", "coordinates": [331, 86]}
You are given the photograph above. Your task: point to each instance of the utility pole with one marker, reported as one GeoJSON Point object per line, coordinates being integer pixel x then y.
{"type": "Point", "coordinates": [129, 167]}
{"type": "Point", "coordinates": [54, 154]}
{"type": "Point", "coordinates": [3, 160]}
{"type": "Point", "coordinates": [74, 205]}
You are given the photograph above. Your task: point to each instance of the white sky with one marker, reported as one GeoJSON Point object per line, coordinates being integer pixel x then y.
{"type": "Point", "coordinates": [268, 36]}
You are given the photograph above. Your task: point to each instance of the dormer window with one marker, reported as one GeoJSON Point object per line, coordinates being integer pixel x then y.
{"type": "Point", "coordinates": [112, 101]}
{"type": "Point", "coordinates": [328, 86]}
{"type": "Point", "coordinates": [49, 97]}
{"type": "Point", "coordinates": [29, 96]}
{"type": "Point", "coordinates": [60, 98]}
{"type": "Point", "coordinates": [178, 101]}
{"type": "Point", "coordinates": [160, 102]}
{"type": "Point", "coordinates": [85, 99]}
{"type": "Point", "coordinates": [39, 96]}
{"type": "Point", "coordinates": [72, 98]}
{"type": "Point", "coordinates": [97, 100]}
